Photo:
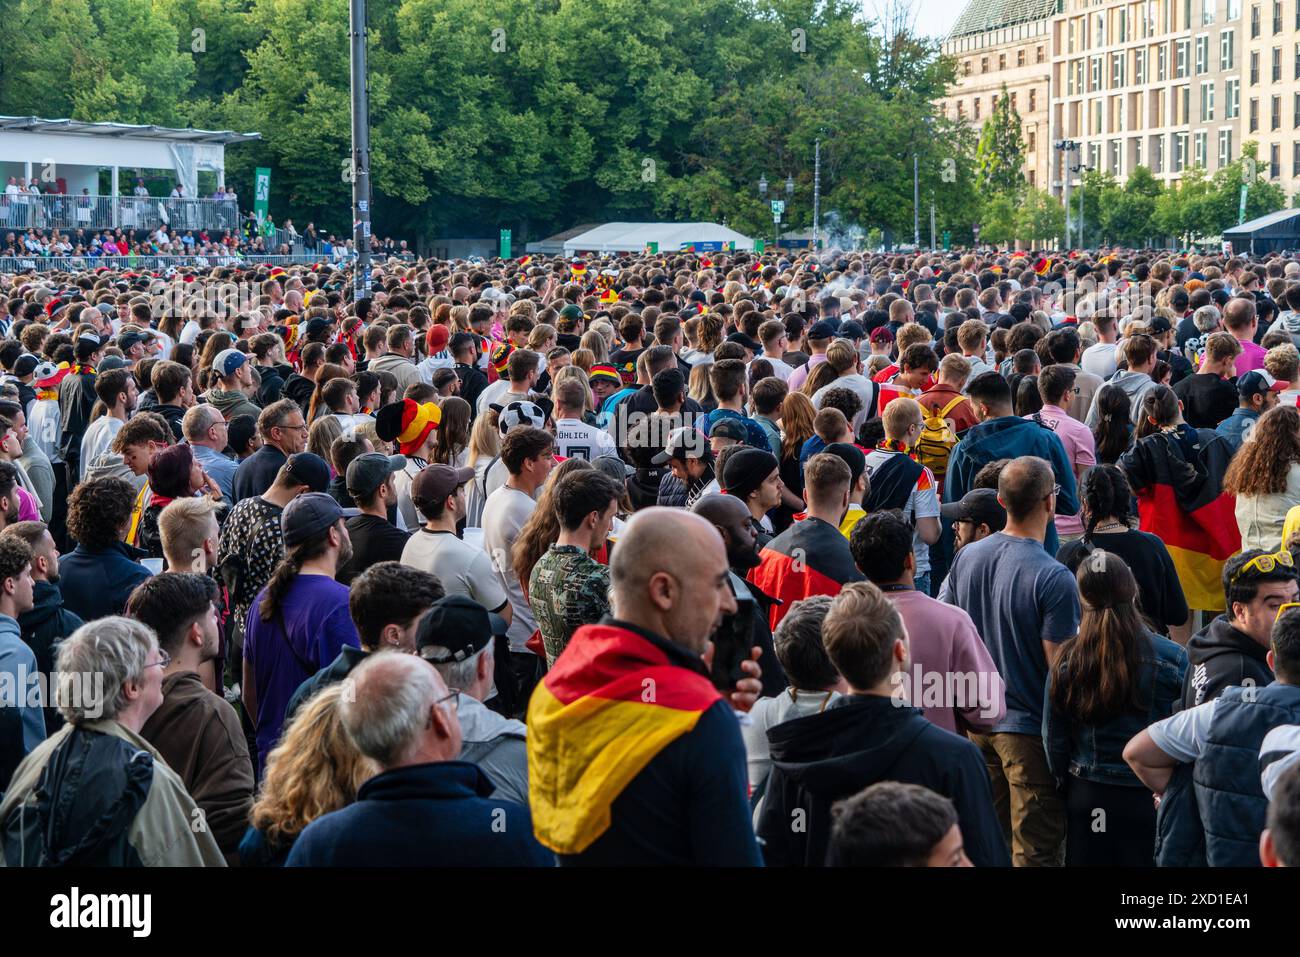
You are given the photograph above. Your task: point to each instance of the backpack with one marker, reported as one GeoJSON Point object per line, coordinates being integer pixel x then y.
{"type": "Point", "coordinates": [935, 444]}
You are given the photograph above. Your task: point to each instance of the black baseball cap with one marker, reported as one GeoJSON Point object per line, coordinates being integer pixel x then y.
{"type": "Point", "coordinates": [368, 471]}
{"type": "Point", "coordinates": [309, 515]}
{"type": "Point", "coordinates": [821, 329]}
{"type": "Point", "coordinates": [746, 341]}
{"type": "Point", "coordinates": [980, 506]}
{"type": "Point", "coordinates": [458, 624]}
{"type": "Point", "coordinates": [852, 329]}
{"type": "Point", "coordinates": [730, 428]}
{"type": "Point", "coordinates": [1160, 325]}
{"type": "Point", "coordinates": [309, 469]}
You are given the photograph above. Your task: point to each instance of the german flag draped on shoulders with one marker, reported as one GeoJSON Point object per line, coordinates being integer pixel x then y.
{"type": "Point", "coordinates": [1177, 475]}
{"type": "Point", "coordinates": [615, 698]}
{"type": "Point", "coordinates": [811, 557]}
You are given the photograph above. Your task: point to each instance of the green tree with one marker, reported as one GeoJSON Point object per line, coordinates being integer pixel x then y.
{"type": "Point", "coordinates": [998, 221]}
{"type": "Point", "coordinates": [1040, 217]}
{"type": "Point", "coordinates": [1127, 213]}
{"type": "Point", "coordinates": [1000, 154]}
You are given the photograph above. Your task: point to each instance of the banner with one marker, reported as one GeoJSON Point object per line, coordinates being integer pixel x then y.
{"type": "Point", "coordinates": [262, 193]}
{"type": "Point", "coordinates": [505, 244]}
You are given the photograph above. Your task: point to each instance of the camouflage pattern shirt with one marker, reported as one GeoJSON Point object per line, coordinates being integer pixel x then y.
{"type": "Point", "coordinates": [566, 590]}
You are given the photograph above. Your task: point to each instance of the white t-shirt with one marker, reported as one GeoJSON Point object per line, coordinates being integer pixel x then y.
{"type": "Point", "coordinates": [99, 436]}
{"type": "Point", "coordinates": [491, 394]}
{"type": "Point", "coordinates": [780, 368]}
{"type": "Point", "coordinates": [576, 439]}
{"type": "Point", "coordinates": [1183, 735]}
{"type": "Point", "coordinates": [1099, 359]}
{"type": "Point", "coordinates": [189, 332]}
{"type": "Point", "coordinates": [462, 568]}
{"type": "Point", "coordinates": [504, 514]}
{"type": "Point", "coordinates": [408, 516]}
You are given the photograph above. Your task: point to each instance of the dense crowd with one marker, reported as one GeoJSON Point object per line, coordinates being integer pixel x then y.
{"type": "Point", "coordinates": [846, 559]}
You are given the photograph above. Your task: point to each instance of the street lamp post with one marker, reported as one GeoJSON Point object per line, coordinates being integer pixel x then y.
{"type": "Point", "coordinates": [360, 149]}
{"type": "Point", "coordinates": [817, 192]}
{"type": "Point", "coordinates": [1067, 147]}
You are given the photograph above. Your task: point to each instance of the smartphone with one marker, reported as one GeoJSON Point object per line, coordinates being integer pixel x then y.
{"type": "Point", "coordinates": [734, 639]}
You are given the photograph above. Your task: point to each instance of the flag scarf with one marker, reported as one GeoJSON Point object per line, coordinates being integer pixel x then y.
{"type": "Point", "coordinates": [1179, 487]}
{"type": "Point", "coordinates": [612, 701]}
{"type": "Point", "coordinates": [808, 558]}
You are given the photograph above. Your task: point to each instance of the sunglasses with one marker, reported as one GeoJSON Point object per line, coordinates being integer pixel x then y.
{"type": "Point", "coordinates": [1284, 608]}
{"type": "Point", "coordinates": [1264, 564]}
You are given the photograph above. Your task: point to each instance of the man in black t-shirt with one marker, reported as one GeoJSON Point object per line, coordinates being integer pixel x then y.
{"type": "Point", "coordinates": [374, 538]}
{"type": "Point", "coordinates": [1209, 396]}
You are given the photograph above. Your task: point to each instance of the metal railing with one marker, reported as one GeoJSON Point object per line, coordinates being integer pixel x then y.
{"type": "Point", "coordinates": [17, 264]}
{"type": "Point", "coordinates": [67, 212]}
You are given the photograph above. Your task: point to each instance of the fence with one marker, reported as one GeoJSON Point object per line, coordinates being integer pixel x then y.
{"type": "Point", "coordinates": [31, 211]}
{"type": "Point", "coordinates": [17, 264]}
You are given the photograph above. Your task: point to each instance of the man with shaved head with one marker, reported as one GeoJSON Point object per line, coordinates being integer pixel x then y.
{"type": "Point", "coordinates": [634, 756]}
{"type": "Point", "coordinates": [1240, 319]}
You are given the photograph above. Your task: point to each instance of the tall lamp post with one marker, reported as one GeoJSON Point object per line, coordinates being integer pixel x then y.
{"type": "Point", "coordinates": [1067, 147]}
{"type": "Point", "coordinates": [360, 149]}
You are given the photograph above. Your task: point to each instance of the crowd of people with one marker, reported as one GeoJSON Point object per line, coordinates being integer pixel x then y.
{"type": "Point", "coordinates": [832, 559]}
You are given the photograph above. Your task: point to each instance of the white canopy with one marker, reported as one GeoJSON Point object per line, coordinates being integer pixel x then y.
{"type": "Point", "coordinates": [671, 237]}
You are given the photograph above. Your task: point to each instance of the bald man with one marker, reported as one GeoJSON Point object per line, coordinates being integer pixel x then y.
{"type": "Point", "coordinates": [731, 517]}
{"type": "Point", "coordinates": [1240, 319]}
{"type": "Point", "coordinates": [646, 706]}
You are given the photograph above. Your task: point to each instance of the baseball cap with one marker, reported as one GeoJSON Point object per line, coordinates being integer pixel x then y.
{"type": "Point", "coordinates": [129, 340]}
{"type": "Point", "coordinates": [309, 515]}
{"type": "Point", "coordinates": [881, 334]}
{"type": "Point", "coordinates": [980, 506]}
{"type": "Point", "coordinates": [458, 624]}
{"type": "Point", "coordinates": [852, 329]}
{"type": "Point", "coordinates": [571, 311]}
{"type": "Point", "coordinates": [228, 362]}
{"type": "Point", "coordinates": [367, 472]}
{"type": "Point", "coordinates": [745, 470]}
{"type": "Point", "coordinates": [436, 482]}
{"type": "Point", "coordinates": [436, 339]}
{"type": "Point", "coordinates": [315, 326]}
{"type": "Point", "coordinates": [821, 329]}
{"type": "Point", "coordinates": [109, 363]}
{"type": "Point", "coordinates": [746, 341]}
{"type": "Point", "coordinates": [26, 364]}
{"type": "Point", "coordinates": [1160, 325]}
{"type": "Point", "coordinates": [309, 469]}
{"type": "Point", "coordinates": [685, 442]}
{"type": "Point", "coordinates": [1257, 382]}
{"type": "Point", "coordinates": [520, 412]}
{"type": "Point", "coordinates": [730, 429]}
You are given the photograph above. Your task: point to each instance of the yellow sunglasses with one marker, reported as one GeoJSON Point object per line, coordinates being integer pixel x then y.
{"type": "Point", "coordinates": [1265, 564]}
{"type": "Point", "coordinates": [1284, 608]}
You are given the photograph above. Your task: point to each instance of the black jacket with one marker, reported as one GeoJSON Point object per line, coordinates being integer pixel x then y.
{"type": "Point", "coordinates": [857, 741]}
{"type": "Point", "coordinates": [299, 388]}
{"type": "Point", "coordinates": [76, 400]}
{"type": "Point", "coordinates": [273, 380]}
{"type": "Point", "coordinates": [174, 415]}
{"type": "Point", "coordinates": [43, 628]}
{"type": "Point", "coordinates": [1219, 656]}
{"type": "Point", "coordinates": [472, 382]}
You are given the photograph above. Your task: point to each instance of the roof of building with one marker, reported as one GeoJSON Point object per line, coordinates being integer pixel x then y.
{"type": "Point", "coordinates": [35, 124]}
{"type": "Point", "coordinates": [983, 15]}
{"type": "Point", "coordinates": [1263, 222]}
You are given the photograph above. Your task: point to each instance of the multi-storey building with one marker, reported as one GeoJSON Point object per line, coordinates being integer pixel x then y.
{"type": "Point", "coordinates": [1006, 42]}
{"type": "Point", "coordinates": [1271, 87]}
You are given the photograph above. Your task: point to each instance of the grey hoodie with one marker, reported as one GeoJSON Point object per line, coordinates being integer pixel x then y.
{"type": "Point", "coordinates": [496, 745]}
{"type": "Point", "coordinates": [1135, 386]}
{"type": "Point", "coordinates": [1289, 322]}
{"type": "Point", "coordinates": [231, 404]}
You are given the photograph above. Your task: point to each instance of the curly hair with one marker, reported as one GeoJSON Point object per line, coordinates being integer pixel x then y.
{"type": "Point", "coordinates": [1260, 467]}
{"type": "Point", "coordinates": [1106, 495]}
{"type": "Point", "coordinates": [99, 510]}
{"type": "Point", "coordinates": [315, 769]}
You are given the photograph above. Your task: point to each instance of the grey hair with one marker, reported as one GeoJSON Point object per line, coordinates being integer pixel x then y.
{"type": "Point", "coordinates": [198, 419]}
{"type": "Point", "coordinates": [458, 674]}
{"type": "Point", "coordinates": [96, 661]}
{"type": "Point", "coordinates": [1207, 318]}
{"type": "Point", "coordinates": [385, 705]}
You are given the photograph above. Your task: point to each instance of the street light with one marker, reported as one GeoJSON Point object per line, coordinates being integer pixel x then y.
{"type": "Point", "coordinates": [1067, 147]}
{"type": "Point", "coordinates": [789, 186]}
{"type": "Point", "coordinates": [762, 185]}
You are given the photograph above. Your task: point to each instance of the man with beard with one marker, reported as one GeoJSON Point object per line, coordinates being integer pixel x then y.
{"type": "Point", "coordinates": [300, 621]}
{"type": "Point", "coordinates": [732, 518]}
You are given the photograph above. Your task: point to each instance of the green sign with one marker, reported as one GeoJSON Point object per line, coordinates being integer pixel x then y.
{"type": "Point", "coordinates": [652, 248]}
{"type": "Point", "coordinates": [505, 244]}
{"type": "Point", "coordinates": [947, 240]}
{"type": "Point", "coordinates": [778, 207]}
{"type": "Point", "coordinates": [262, 192]}
{"type": "Point", "coordinates": [760, 245]}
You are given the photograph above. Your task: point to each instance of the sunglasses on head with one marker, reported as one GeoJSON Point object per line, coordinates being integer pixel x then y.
{"type": "Point", "coordinates": [1264, 564]}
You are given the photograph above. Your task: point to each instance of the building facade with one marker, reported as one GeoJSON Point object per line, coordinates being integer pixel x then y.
{"type": "Point", "coordinates": [1165, 84]}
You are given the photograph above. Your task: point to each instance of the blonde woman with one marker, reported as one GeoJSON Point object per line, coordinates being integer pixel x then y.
{"type": "Point", "coordinates": [592, 341]}
{"type": "Point", "coordinates": [322, 435]}
{"type": "Point", "coordinates": [315, 769]}
{"type": "Point", "coordinates": [578, 375]}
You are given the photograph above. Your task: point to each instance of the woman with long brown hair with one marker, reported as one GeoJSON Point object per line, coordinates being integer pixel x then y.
{"type": "Point", "coordinates": [542, 529]}
{"type": "Point", "coordinates": [452, 447]}
{"type": "Point", "coordinates": [1108, 683]}
{"type": "Point", "coordinates": [1265, 477]}
{"type": "Point", "coordinates": [328, 372]}
{"type": "Point", "coordinates": [315, 769]}
{"type": "Point", "coordinates": [797, 414]}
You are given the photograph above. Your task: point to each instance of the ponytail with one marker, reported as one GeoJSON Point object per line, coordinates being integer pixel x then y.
{"type": "Point", "coordinates": [287, 572]}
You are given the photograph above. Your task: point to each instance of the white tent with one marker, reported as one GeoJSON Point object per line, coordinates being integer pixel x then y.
{"type": "Point", "coordinates": [671, 237]}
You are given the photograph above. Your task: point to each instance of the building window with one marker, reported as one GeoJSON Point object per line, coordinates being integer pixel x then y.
{"type": "Point", "coordinates": [1137, 152]}
{"type": "Point", "coordinates": [1254, 114]}
{"type": "Point", "coordinates": [1038, 57]}
{"type": "Point", "coordinates": [1116, 70]}
{"type": "Point", "coordinates": [1158, 159]}
{"type": "Point", "coordinates": [984, 64]}
{"type": "Point", "coordinates": [1180, 152]}
{"type": "Point", "coordinates": [1100, 23]}
{"type": "Point", "coordinates": [1002, 61]}
{"type": "Point", "coordinates": [1254, 21]}
{"type": "Point", "coordinates": [1232, 99]}
{"type": "Point", "coordinates": [1013, 103]}
{"type": "Point", "coordinates": [977, 107]}
{"type": "Point", "coordinates": [1096, 73]}
{"type": "Point", "coordinates": [1033, 100]}
{"type": "Point", "coordinates": [1275, 115]}
{"type": "Point", "coordinates": [965, 67]}
{"type": "Point", "coordinates": [1225, 147]}
{"type": "Point", "coordinates": [1139, 66]}
{"type": "Point", "coordinates": [1296, 112]}
{"type": "Point", "coordinates": [1207, 101]}
{"type": "Point", "coordinates": [1199, 144]}
{"type": "Point", "coordinates": [1031, 141]}
{"type": "Point", "coordinates": [1254, 68]}
{"type": "Point", "coordinates": [1202, 55]}
{"type": "Point", "coordinates": [1277, 64]}
{"type": "Point", "coordinates": [1277, 17]}
{"type": "Point", "coordinates": [1020, 57]}
{"type": "Point", "coordinates": [1233, 11]}
{"type": "Point", "coordinates": [1162, 57]}
{"type": "Point", "coordinates": [1180, 58]}
{"type": "Point", "coordinates": [1225, 49]}
{"type": "Point", "coordinates": [1274, 161]}
{"type": "Point", "coordinates": [1295, 159]}
{"type": "Point", "coordinates": [1207, 11]}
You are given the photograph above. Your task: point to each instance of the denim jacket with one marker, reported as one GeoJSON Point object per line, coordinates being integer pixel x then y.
{"type": "Point", "coordinates": [1095, 752]}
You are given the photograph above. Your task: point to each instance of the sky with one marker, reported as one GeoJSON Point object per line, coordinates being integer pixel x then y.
{"type": "Point", "coordinates": [934, 18]}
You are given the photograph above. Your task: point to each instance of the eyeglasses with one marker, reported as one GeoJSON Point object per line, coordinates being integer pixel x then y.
{"type": "Point", "coordinates": [296, 428]}
{"type": "Point", "coordinates": [163, 661]}
{"type": "Point", "coordinates": [1285, 607]}
{"type": "Point", "coordinates": [1264, 564]}
{"type": "Point", "coordinates": [453, 696]}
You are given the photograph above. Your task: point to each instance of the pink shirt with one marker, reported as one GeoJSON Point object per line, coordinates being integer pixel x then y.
{"type": "Point", "coordinates": [800, 375]}
{"type": "Point", "coordinates": [950, 671]}
{"type": "Point", "coordinates": [1252, 357]}
{"type": "Point", "coordinates": [1080, 449]}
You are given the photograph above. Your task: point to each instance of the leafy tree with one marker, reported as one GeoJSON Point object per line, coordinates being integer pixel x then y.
{"type": "Point", "coordinates": [1000, 155]}
{"type": "Point", "coordinates": [1040, 217]}
{"type": "Point", "coordinates": [998, 223]}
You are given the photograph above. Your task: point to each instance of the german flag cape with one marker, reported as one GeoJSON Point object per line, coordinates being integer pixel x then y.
{"type": "Point", "coordinates": [612, 701]}
{"type": "Point", "coordinates": [809, 558]}
{"type": "Point", "coordinates": [1179, 487]}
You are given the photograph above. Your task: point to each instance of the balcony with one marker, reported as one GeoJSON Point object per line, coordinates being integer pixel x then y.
{"type": "Point", "coordinates": [66, 212]}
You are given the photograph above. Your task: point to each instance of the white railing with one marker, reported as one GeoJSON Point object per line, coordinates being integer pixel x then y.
{"type": "Point", "coordinates": [69, 212]}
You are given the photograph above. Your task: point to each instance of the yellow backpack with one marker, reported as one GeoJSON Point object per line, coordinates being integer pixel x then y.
{"type": "Point", "coordinates": [937, 438]}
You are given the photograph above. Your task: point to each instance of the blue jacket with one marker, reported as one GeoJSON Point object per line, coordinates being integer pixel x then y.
{"type": "Point", "coordinates": [1095, 752]}
{"type": "Point", "coordinates": [1227, 777]}
{"type": "Point", "coordinates": [97, 582]}
{"type": "Point", "coordinates": [426, 815]}
{"type": "Point", "coordinates": [1234, 427]}
{"type": "Point", "coordinates": [1009, 437]}
{"type": "Point", "coordinates": [754, 432]}
{"type": "Point", "coordinates": [22, 723]}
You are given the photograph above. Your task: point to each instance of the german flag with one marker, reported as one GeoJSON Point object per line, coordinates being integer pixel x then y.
{"type": "Point", "coordinates": [610, 704]}
{"type": "Point", "coordinates": [1041, 266]}
{"type": "Point", "coordinates": [578, 269]}
{"type": "Point", "coordinates": [1179, 487]}
{"type": "Point", "coordinates": [525, 260]}
{"type": "Point", "coordinates": [609, 296]}
{"type": "Point", "coordinates": [808, 558]}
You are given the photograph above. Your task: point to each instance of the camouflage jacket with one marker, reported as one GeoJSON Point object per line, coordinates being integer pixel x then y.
{"type": "Point", "coordinates": [566, 590]}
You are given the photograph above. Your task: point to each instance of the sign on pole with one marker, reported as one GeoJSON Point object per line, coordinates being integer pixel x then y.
{"type": "Point", "coordinates": [947, 240]}
{"type": "Point", "coordinates": [759, 245]}
{"type": "Point", "coordinates": [262, 193]}
{"type": "Point", "coordinates": [652, 248]}
{"type": "Point", "coordinates": [505, 244]}
{"type": "Point", "coordinates": [778, 207]}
